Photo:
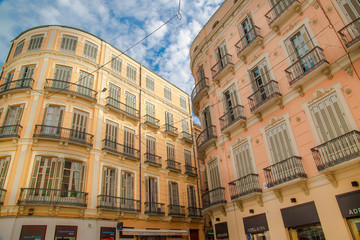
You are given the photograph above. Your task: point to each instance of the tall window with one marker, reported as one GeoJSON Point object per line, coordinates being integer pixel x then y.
{"type": "Point", "coordinates": [187, 157]}
{"type": "Point", "coordinates": [150, 113]}
{"type": "Point", "coordinates": [183, 102]}
{"type": "Point", "coordinates": [53, 120]}
{"type": "Point", "coordinates": [185, 126]}
{"type": "Point", "coordinates": [90, 50]}
{"type": "Point", "coordinates": [170, 153]}
{"type": "Point", "coordinates": [111, 134]}
{"type": "Point", "coordinates": [85, 85]}
{"type": "Point", "coordinates": [68, 43]}
{"type": "Point", "coordinates": [4, 166]}
{"type": "Point", "coordinates": [221, 56]}
{"type": "Point", "coordinates": [246, 29]}
{"type": "Point", "coordinates": [26, 75]}
{"type": "Point", "coordinates": [130, 103]}
{"type": "Point", "coordinates": [114, 96]}
{"type": "Point", "coordinates": [79, 124]}
{"type": "Point", "coordinates": [205, 118]}
{"type": "Point", "coordinates": [116, 64]}
{"type": "Point", "coordinates": [19, 48]}
{"type": "Point", "coordinates": [12, 120]}
{"type": "Point", "coordinates": [191, 194]}
{"type": "Point", "coordinates": [167, 93]}
{"type": "Point", "coordinates": [150, 83]}
{"type": "Point", "coordinates": [169, 122]}
{"type": "Point", "coordinates": [150, 148]}
{"type": "Point", "coordinates": [243, 160]}
{"type": "Point", "coordinates": [200, 74]}
{"type": "Point", "coordinates": [35, 42]}
{"type": "Point", "coordinates": [127, 189]}
{"type": "Point", "coordinates": [279, 142]}
{"type": "Point", "coordinates": [151, 191]}
{"type": "Point", "coordinates": [350, 8]}
{"type": "Point", "coordinates": [131, 73]}
{"type": "Point", "coordinates": [260, 76]}
{"type": "Point", "coordinates": [109, 181]}
{"type": "Point", "coordinates": [174, 199]}
{"type": "Point", "coordinates": [129, 141]}
{"type": "Point", "coordinates": [62, 77]}
{"type": "Point", "coordinates": [8, 79]}
{"type": "Point", "coordinates": [214, 175]}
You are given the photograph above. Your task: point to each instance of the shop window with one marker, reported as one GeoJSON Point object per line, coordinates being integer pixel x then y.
{"type": "Point", "coordinates": [66, 232]}
{"type": "Point", "coordinates": [107, 233]}
{"type": "Point", "coordinates": [33, 232]}
{"type": "Point", "coordinates": [307, 232]}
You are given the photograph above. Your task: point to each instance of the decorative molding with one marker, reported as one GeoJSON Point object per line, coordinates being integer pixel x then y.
{"type": "Point", "coordinates": [332, 179]}
{"type": "Point", "coordinates": [349, 70]}
{"type": "Point", "coordinates": [259, 200]}
{"type": "Point", "coordinates": [258, 115]}
{"type": "Point", "coordinates": [303, 185]}
{"type": "Point", "coordinates": [319, 94]}
{"type": "Point", "coordinates": [315, 4]}
{"type": "Point", "coordinates": [278, 194]}
{"type": "Point", "coordinates": [239, 204]}
{"type": "Point", "coordinates": [274, 121]}
{"type": "Point", "coordinates": [222, 209]}
{"type": "Point", "coordinates": [299, 89]}
{"type": "Point", "coordinates": [327, 73]}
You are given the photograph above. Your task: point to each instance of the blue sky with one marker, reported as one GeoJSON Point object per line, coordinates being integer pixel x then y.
{"type": "Point", "coordinates": [121, 23]}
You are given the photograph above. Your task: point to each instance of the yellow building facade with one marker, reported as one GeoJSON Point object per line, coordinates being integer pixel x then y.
{"type": "Point", "coordinates": [93, 145]}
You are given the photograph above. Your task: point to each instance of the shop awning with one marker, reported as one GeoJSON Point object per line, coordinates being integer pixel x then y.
{"type": "Point", "coordinates": [152, 232]}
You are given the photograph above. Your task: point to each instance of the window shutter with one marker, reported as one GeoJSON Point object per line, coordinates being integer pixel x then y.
{"type": "Point", "coordinates": [132, 176]}
{"type": "Point", "coordinates": [156, 190]}
{"type": "Point", "coordinates": [307, 40]}
{"type": "Point", "coordinates": [170, 193]}
{"type": "Point", "coordinates": [189, 196]}
{"type": "Point", "coordinates": [35, 172]}
{"type": "Point", "coordinates": [104, 181]}
{"type": "Point", "coordinates": [146, 189]}
{"type": "Point", "coordinates": [176, 194]}
{"type": "Point", "coordinates": [4, 166]}
{"type": "Point", "coordinates": [83, 177]}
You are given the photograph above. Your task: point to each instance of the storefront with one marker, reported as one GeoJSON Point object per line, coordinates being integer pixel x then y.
{"type": "Point", "coordinates": [349, 204]}
{"type": "Point", "coordinates": [65, 232]}
{"type": "Point", "coordinates": [107, 233]}
{"type": "Point", "coordinates": [303, 222]}
{"type": "Point", "coordinates": [33, 232]}
{"type": "Point", "coordinates": [154, 234]}
{"type": "Point", "coordinates": [221, 230]}
{"type": "Point", "coordinates": [256, 227]}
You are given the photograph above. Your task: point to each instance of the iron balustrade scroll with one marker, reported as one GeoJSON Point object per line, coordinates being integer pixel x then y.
{"type": "Point", "coordinates": [45, 196]}
{"type": "Point", "coordinates": [221, 65]}
{"type": "Point", "coordinates": [65, 86]}
{"type": "Point", "coordinates": [187, 136]}
{"type": "Point", "coordinates": [213, 197]}
{"type": "Point", "coordinates": [64, 134]}
{"type": "Point", "coordinates": [284, 171]}
{"type": "Point", "coordinates": [199, 87]}
{"type": "Point", "coordinates": [194, 212]}
{"type": "Point", "coordinates": [171, 129]}
{"type": "Point", "coordinates": [176, 210]}
{"type": "Point", "coordinates": [173, 165]}
{"type": "Point", "coordinates": [124, 108]}
{"type": "Point", "coordinates": [10, 131]}
{"type": "Point", "coordinates": [350, 34]}
{"type": "Point", "coordinates": [338, 150]}
{"type": "Point", "coordinates": [25, 83]}
{"type": "Point", "coordinates": [118, 203]}
{"type": "Point", "coordinates": [278, 9]}
{"type": "Point", "coordinates": [152, 159]}
{"type": "Point", "coordinates": [205, 136]}
{"type": "Point", "coordinates": [244, 186]}
{"type": "Point", "coordinates": [247, 39]}
{"type": "Point", "coordinates": [190, 170]}
{"type": "Point", "coordinates": [305, 65]}
{"type": "Point", "coordinates": [232, 116]}
{"type": "Point", "coordinates": [2, 196]}
{"type": "Point", "coordinates": [151, 120]}
{"type": "Point", "coordinates": [264, 94]}
{"type": "Point", "coordinates": [121, 149]}
{"type": "Point", "coordinates": [154, 208]}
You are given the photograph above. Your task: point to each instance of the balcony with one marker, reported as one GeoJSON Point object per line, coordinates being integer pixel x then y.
{"type": "Point", "coordinates": [190, 170]}
{"type": "Point", "coordinates": [153, 159]}
{"type": "Point", "coordinates": [17, 85]}
{"type": "Point", "coordinates": [213, 198]}
{"type": "Point", "coordinates": [206, 137]}
{"type": "Point", "coordinates": [337, 151]}
{"type": "Point", "coordinates": [244, 186]}
{"type": "Point", "coordinates": [171, 130]}
{"type": "Point", "coordinates": [63, 134]}
{"type": "Point", "coordinates": [284, 171]}
{"type": "Point", "coordinates": [120, 149]}
{"type": "Point", "coordinates": [176, 210]}
{"type": "Point", "coordinates": [45, 196]}
{"type": "Point", "coordinates": [194, 212]}
{"type": "Point", "coordinates": [154, 208]}
{"type": "Point", "coordinates": [10, 131]}
{"type": "Point", "coordinates": [264, 96]}
{"type": "Point", "coordinates": [232, 119]}
{"type": "Point", "coordinates": [306, 67]}
{"type": "Point", "coordinates": [350, 34]}
{"type": "Point", "coordinates": [152, 122]}
{"type": "Point", "coordinates": [249, 42]}
{"type": "Point", "coordinates": [173, 165]}
{"type": "Point", "coordinates": [2, 196]}
{"type": "Point", "coordinates": [198, 92]}
{"type": "Point", "coordinates": [58, 86]}
{"type": "Point", "coordinates": [221, 68]}
{"type": "Point", "coordinates": [118, 203]}
{"type": "Point", "coordinates": [120, 107]}
{"type": "Point", "coordinates": [187, 137]}
{"type": "Point", "coordinates": [281, 12]}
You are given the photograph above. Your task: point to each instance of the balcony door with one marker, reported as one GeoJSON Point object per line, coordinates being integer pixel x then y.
{"type": "Point", "coordinates": [111, 135]}
{"type": "Point", "coordinates": [151, 193]}
{"type": "Point", "coordinates": [280, 143]}
{"type": "Point", "coordinates": [8, 79]}
{"type": "Point", "coordinates": [230, 102]}
{"type": "Point", "coordinates": [214, 180]}
{"type": "Point", "coordinates": [150, 149]}
{"type": "Point", "coordinates": [150, 112]}
{"type": "Point", "coordinates": [260, 77]}
{"type": "Point", "coordinates": [114, 96]}
{"type": "Point", "coordinates": [62, 77]}
{"type": "Point", "coordinates": [26, 76]}
{"type": "Point", "coordinates": [130, 103]}
{"type": "Point", "coordinates": [73, 179]}
{"type": "Point", "coordinates": [85, 84]}
{"type": "Point", "coordinates": [53, 120]}
{"type": "Point", "coordinates": [129, 141]}
{"type": "Point", "coordinates": [221, 56]}
{"type": "Point", "coordinates": [206, 122]}
{"type": "Point", "coordinates": [247, 32]}
{"type": "Point", "coordinates": [79, 125]}
{"type": "Point", "coordinates": [173, 188]}
{"type": "Point", "coordinates": [109, 179]}
{"type": "Point", "coordinates": [4, 166]}
{"type": "Point", "coordinates": [350, 8]}
{"type": "Point", "coordinates": [191, 198]}
{"type": "Point", "coordinates": [169, 121]}
{"type": "Point", "coordinates": [12, 120]}
{"type": "Point", "coordinates": [127, 190]}
{"type": "Point", "coordinates": [243, 160]}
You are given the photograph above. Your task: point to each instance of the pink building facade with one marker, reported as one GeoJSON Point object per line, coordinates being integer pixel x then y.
{"type": "Point", "coordinates": [277, 94]}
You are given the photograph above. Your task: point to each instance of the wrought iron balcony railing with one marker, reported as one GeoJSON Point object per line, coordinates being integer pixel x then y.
{"type": "Point", "coordinates": [118, 203]}
{"type": "Point", "coordinates": [190, 170]}
{"type": "Point", "coordinates": [2, 196]}
{"type": "Point", "coordinates": [171, 129]}
{"type": "Point", "coordinates": [221, 65]}
{"type": "Point", "coordinates": [338, 150]}
{"type": "Point", "coordinates": [74, 88]}
{"type": "Point", "coordinates": [45, 196]}
{"type": "Point", "coordinates": [306, 64]}
{"type": "Point", "coordinates": [278, 9]}
{"type": "Point", "coordinates": [152, 121]}
{"type": "Point", "coordinates": [10, 131]}
{"type": "Point", "coordinates": [264, 94]}
{"type": "Point", "coordinates": [176, 210]}
{"type": "Point", "coordinates": [244, 186]}
{"type": "Point", "coordinates": [213, 197]}
{"type": "Point", "coordinates": [187, 136]}
{"type": "Point", "coordinates": [121, 149]}
{"type": "Point", "coordinates": [25, 83]}
{"type": "Point", "coordinates": [123, 108]}
{"type": "Point", "coordinates": [248, 39]}
{"type": "Point", "coordinates": [194, 212]}
{"type": "Point", "coordinates": [173, 165]}
{"type": "Point", "coordinates": [154, 208]}
{"type": "Point", "coordinates": [284, 171]}
{"type": "Point", "coordinates": [206, 136]}
{"type": "Point", "coordinates": [232, 116]}
{"type": "Point", "coordinates": [64, 134]}
{"type": "Point", "coordinates": [153, 159]}
{"type": "Point", "coordinates": [201, 85]}
{"type": "Point", "coordinates": [350, 34]}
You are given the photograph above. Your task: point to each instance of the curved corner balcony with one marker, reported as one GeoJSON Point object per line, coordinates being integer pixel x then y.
{"type": "Point", "coordinates": [120, 149]}
{"type": "Point", "coordinates": [46, 196]}
{"type": "Point", "coordinates": [213, 198]}
{"type": "Point", "coordinates": [120, 107]}
{"type": "Point", "coordinates": [245, 186]}
{"type": "Point", "coordinates": [60, 86]}
{"type": "Point", "coordinates": [306, 67]}
{"type": "Point", "coordinates": [232, 119]}
{"type": "Point", "coordinates": [2, 196]}
{"type": "Point", "coordinates": [221, 68]}
{"type": "Point", "coordinates": [284, 171]}
{"type": "Point", "coordinates": [10, 131]}
{"type": "Point", "coordinates": [334, 152]}
{"type": "Point", "coordinates": [17, 85]}
{"type": "Point", "coordinates": [350, 34]}
{"type": "Point", "coordinates": [199, 91]}
{"type": "Point", "coordinates": [264, 96]}
{"type": "Point", "coordinates": [113, 203]}
{"type": "Point", "coordinates": [281, 11]}
{"type": "Point", "coordinates": [249, 42]}
{"type": "Point", "coordinates": [206, 137]}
